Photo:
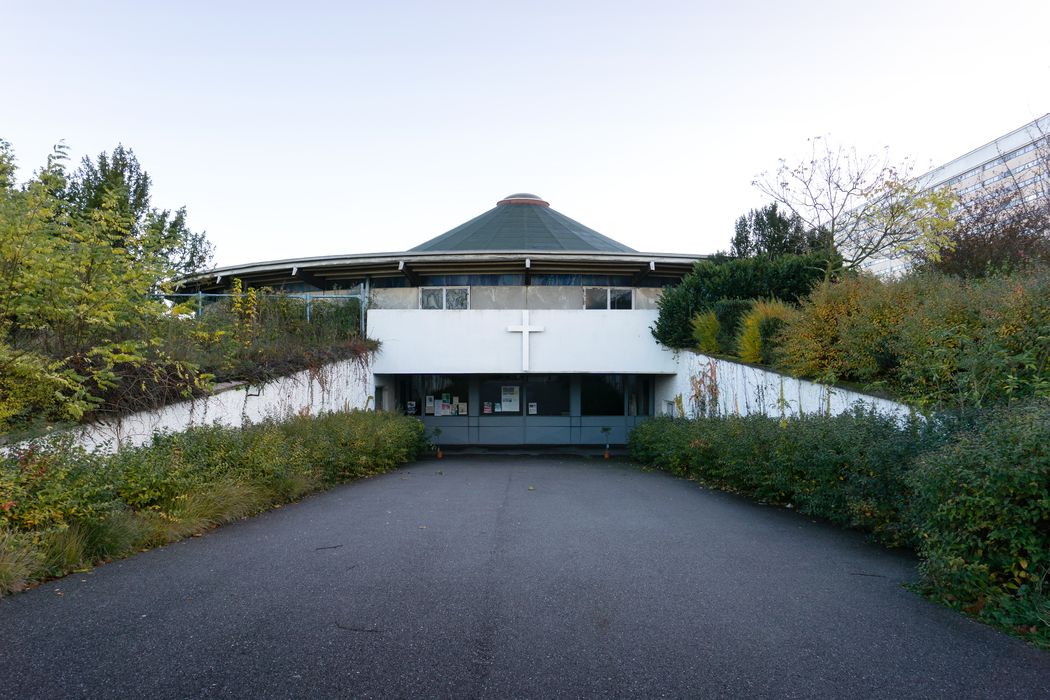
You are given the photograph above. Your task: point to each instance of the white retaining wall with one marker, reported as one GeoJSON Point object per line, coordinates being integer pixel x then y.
{"type": "Point", "coordinates": [338, 386]}
{"type": "Point", "coordinates": [744, 389]}
{"type": "Point", "coordinates": [741, 389]}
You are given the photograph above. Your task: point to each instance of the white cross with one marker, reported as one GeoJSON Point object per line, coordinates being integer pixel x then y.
{"type": "Point", "coordinates": [525, 329]}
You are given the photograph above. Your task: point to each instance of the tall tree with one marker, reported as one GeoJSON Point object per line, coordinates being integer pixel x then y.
{"type": "Point", "coordinates": [768, 232]}
{"type": "Point", "coordinates": [78, 310]}
{"type": "Point", "coordinates": [7, 166]}
{"type": "Point", "coordinates": [118, 184]}
{"type": "Point", "coordinates": [869, 208]}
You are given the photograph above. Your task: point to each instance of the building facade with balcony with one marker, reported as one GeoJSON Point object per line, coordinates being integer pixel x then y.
{"type": "Point", "coordinates": [520, 326]}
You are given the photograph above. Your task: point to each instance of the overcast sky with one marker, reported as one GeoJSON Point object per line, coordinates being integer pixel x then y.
{"type": "Point", "coordinates": [316, 128]}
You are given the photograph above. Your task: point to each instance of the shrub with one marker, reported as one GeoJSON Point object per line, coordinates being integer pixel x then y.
{"type": "Point", "coordinates": [978, 343]}
{"type": "Point", "coordinates": [870, 341]}
{"type": "Point", "coordinates": [31, 388]}
{"type": "Point", "coordinates": [970, 491]}
{"type": "Point", "coordinates": [982, 513]}
{"type": "Point", "coordinates": [62, 508]}
{"type": "Point", "coordinates": [849, 469]}
{"type": "Point", "coordinates": [759, 330]}
{"type": "Point", "coordinates": [810, 345]}
{"type": "Point", "coordinates": [769, 334]}
{"type": "Point", "coordinates": [788, 277]}
{"type": "Point", "coordinates": [705, 332]}
{"type": "Point", "coordinates": [730, 314]}
{"type": "Point", "coordinates": [935, 341]}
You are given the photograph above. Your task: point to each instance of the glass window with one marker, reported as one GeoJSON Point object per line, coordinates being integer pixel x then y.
{"type": "Point", "coordinates": [448, 393]}
{"type": "Point", "coordinates": [601, 395]}
{"type": "Point", "coordinates": [620, 299]}
{"type": "Point", "coordinates": [444, 298]}
{"type": "Point", "coordinates": [457, 298]}
{"type": "Point", "coordinates": [549, 392]}
{"type": "Point", "coordinates": [502, 395]}
{"type": "Point", "coordinates": [596, 298]}
{"type": "Point", "coordinates": [638, 390]}
{"type": "Point", "coordinates": [431, 298]}
{"type": "Point", "coordinates": [543, 280]}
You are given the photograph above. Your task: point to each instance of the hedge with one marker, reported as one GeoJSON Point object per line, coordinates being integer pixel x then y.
{"type": "Point", "coordinates": [63, 508]}
{"type": "Point", "coordinates": [970, 494]}
{"type": "Point", "coordinates": [980, 509]}
{"type": "Point", "coordinates": [788, 278]}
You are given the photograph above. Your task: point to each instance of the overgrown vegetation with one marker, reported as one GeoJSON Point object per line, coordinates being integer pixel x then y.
{"type": "Point", "coordinates": [63, 508]}
{"type": "Point", "coordinates": [1003, 229]}
{"type": "Point", "coordinates": [256, 335]}
{"type": "Point", "coordinates": [786, 277]}
{"type": "Point", "coordinates": [966, 332]}
{"type": "Point", "coordinates": [971, 496]}
{"type": "Point", "coordinates": [85, 259]}
{"type": "Point", "coordinates": [931, 339]}
{"type": "Point", "coordinates": [934, 340]}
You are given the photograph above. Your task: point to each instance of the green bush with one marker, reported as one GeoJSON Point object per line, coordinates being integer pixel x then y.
{"type": "Point", "coordinates": [770, 330]}
{"type": "Point", "coordinates": [981, 509]}
{"type": "Point", "coordinates": [848, 469]}
{"type": "Point", "coordinates": [62, 507]}
{"type": "Point", "coordinates": [705, 332]}
{"type": "Point", "coordinates": [730, 314]}
{"type": "Point", "coordinates": [970, 492]}
{"type": "Point", "coordinates": [934, 341]}
{"type": "Point", "coordinates": [32, 388]}
{"type": "Point", "coordinates": [759, 329]}
{"type": "Point", "coordinates": [788, 277]}
{"type": "Point", "coordinates": [811, 346]}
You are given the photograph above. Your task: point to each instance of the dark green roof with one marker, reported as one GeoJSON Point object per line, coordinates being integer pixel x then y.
{"type": "Point", "coordinates": [522, 222]}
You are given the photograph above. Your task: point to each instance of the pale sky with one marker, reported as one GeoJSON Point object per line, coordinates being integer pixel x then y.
{"type": "Point", "coordinates": [295, 129]}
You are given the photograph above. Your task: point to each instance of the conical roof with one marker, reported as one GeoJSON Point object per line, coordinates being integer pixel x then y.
{"type": "Point", "coordinates": [522, 222]}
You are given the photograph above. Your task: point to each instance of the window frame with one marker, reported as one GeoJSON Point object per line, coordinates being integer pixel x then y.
{"type": "Point", "coordinates": [444, 297]}
{"type": "Point", "coordinates": [608, 297]}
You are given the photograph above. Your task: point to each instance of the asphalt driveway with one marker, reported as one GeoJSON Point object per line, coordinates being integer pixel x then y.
{"type": "Point", "coordinates": [508, 577]}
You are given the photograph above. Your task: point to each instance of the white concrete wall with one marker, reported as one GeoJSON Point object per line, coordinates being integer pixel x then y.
{"type": "Point", "coordinates": [342, 385]}
{"type": "Point", "coordinates": [477, 341]}
{"type": "Point", "coordinates": [743, 390]}
{"type": "Point", "coordinates": [417, 342]}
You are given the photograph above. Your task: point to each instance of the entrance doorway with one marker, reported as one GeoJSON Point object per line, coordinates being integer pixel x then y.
{"type": "Point", "coordinates": [527, 409]}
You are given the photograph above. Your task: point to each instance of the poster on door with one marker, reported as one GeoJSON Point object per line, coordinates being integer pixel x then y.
{"type": "Point", "coordinates": [509, 398]}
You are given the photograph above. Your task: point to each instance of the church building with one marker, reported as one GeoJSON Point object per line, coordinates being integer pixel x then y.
{"type": "Point", "coordinates": [520, 326]}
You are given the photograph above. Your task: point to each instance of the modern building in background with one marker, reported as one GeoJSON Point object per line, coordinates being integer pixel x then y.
{"type": "Point", "coordinates": [1018, 161]}
{"type": "Point", "coordinates": [1010, 161]}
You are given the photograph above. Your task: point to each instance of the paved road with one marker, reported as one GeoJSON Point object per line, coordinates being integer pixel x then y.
{"type": "Point", "coordinates": [512, 577]}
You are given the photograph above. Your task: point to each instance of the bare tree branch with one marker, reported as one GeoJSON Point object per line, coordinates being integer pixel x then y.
{"type": "Point", "coordinates": [869, 207]}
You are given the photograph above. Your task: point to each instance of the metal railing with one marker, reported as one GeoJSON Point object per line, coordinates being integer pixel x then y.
{"type": "Point", "coordinates": [203, 299]}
